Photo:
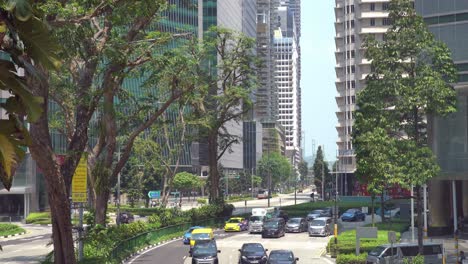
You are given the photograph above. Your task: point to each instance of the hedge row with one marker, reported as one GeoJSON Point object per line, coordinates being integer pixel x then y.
{"type": "Point", "coordinates": [10, 229]}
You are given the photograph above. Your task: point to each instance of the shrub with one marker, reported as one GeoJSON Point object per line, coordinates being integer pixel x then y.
{"type": "Point", "coordinates": [10, 229]}
{"type": "Point", "coordinates": [351, 259]}
{"type": "Point", "coordinates": [201, 201]}
{"type": "Point", "coordinates": [38, 218]}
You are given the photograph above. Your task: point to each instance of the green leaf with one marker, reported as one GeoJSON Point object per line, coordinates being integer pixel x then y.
{"type": "Point", "coordinates": [22, 9]}
{"type": "Point", "coordinates": [8, 160]}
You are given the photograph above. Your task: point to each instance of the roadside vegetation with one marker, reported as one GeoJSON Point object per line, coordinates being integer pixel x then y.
{"type": "Point", "coordinates": [10, 229]}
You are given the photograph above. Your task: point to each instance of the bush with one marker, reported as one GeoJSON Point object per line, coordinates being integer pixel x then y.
{"type": "Point", "coordinates": [10, 229]}
{"type": "Point", "coordinates": [351, 259]}
{"type": "Point", "coordinates": [201, 201]}
{"type": "Point", "coordinates": [39, 218]}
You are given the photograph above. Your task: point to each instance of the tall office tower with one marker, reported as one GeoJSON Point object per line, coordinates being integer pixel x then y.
{"type": "Point", "coordinates": [238, 15]}
{"type": "Point", "coordinates": [448, 21]}
{"type": "Point", "coordinates": [266, 100]}
{"type": "Point", "coordinates": [354, 20]}
{"type": "Point", "coordinates": [287, 63]}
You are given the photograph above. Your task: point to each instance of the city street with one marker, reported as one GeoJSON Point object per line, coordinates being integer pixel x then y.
{"type": "Point", "coordinates": [28, 248]}
{"type": "Point", "coordinates": [307, 249]}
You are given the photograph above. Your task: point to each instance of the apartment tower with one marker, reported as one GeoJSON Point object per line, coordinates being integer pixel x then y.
{"type": "Point", "coordinates": [354, 20]}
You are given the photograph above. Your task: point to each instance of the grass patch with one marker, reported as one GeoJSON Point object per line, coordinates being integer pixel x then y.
{"type": "Point", "coordinates": [10, 229]}
{"type": "Point", "coordinates": [42, 218]}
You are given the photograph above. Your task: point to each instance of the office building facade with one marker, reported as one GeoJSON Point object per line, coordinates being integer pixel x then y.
{"type": "Point", "coordinates": [354, 20]}
{"type": "Point", "coordinates": [448, 21]}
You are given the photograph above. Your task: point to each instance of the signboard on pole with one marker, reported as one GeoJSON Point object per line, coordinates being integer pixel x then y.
{"type": "Point", "coordinates": [364, 232]}
{"type": "Point", "coordinates": [154, 194]}
{"type": "Point", "coordinates": [79, 182]}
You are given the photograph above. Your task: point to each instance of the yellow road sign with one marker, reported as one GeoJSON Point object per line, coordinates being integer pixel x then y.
{"type": "Point", "coordinates": [79, 182]}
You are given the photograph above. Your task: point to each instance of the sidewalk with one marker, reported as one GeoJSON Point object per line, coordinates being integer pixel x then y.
{"type": "Point", "coordinates": [448, 243]}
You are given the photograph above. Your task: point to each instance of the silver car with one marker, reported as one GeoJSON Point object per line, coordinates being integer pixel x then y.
{"type": "Point", "coordinates": [398, 252]}
{"type": "Point", "coordinates": [320, 226]}
{"type": "Point", "coordinates": [297, 224]}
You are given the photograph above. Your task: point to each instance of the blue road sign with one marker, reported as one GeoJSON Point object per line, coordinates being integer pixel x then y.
{"type": "Point", "coordinates": [154, 194]}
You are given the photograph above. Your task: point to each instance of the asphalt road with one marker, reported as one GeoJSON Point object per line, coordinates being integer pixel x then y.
{"type": "Point", "coordinates": [26, 249]}
{"type": "Point", "coordinates": [307, 249]}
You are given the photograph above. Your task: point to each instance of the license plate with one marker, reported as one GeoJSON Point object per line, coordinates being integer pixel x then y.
{"type": "Point", "coordinates": [254, 261]}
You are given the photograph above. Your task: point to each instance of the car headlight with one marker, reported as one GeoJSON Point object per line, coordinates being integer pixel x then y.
{"type": "Point", "coordinates": [244, 257]}
{"type": "Point", "coordinates": [264, 257]}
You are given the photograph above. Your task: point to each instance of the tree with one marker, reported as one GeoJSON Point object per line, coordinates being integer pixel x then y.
{"type": "Point", "coordinates": [303, 169]}
{"type": "Point", "coordinates": [275, 166]}
{"type": "Point", "coordinates": [185, 181]}
{"type": "Point", "coordinates": [229, 95]}
{"type": "Point", "coordinates": [321, 171]}
{"type": "Point", "coordinates": [410, 81]}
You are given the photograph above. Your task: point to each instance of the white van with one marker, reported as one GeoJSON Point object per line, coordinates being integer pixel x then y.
{"type": "Point", "coordinates": [383, 253]}
{"type": "Point", "coordinates": [259, 215]}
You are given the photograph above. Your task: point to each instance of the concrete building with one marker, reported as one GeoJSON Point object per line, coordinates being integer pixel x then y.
{"type": "Point", "coordinates": [354, 20]}
{"type": "Point", "coordinates": [448, 21]}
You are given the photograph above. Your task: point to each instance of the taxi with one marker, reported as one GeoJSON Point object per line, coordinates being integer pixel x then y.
{"type": "Point", "coordinates": [236, 224]}
{"type": "Point", "coordinates": [201, 234]}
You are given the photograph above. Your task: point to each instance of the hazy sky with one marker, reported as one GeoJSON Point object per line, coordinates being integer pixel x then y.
{"type": "Point", "coordinates": [318, 76]}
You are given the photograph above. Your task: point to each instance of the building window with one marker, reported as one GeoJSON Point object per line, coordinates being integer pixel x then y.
{"type": "Point", "coordinates": [372, 22]}
{"type": "Point", "coordinates": [372, 6]}
{"type": "Point", "coordinates": [352, 8]}
{"type": "Point", "coordinates": [384, 6]}
{"type": "Point", "coordinates": [387, 22]}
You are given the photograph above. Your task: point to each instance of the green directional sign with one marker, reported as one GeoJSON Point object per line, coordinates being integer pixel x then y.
{"type": "Point", "coordinates": [154, 194]}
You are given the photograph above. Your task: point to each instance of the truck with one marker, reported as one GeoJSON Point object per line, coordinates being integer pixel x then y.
{"type": "Point", "coordinates": [259, 215]}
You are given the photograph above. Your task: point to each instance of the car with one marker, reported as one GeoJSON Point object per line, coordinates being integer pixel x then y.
{"type": "Point", "coordinates": [188, 234]}
{"type": "Point", "coordinates": [320, 226]}
{"type": "Point", "coordinates": [314, 214]}
{"type": "Point", "coordinates": [274, 227]}
{"type": "Point", "coordinates": [389, 213]}
{"type": "Point", "coordinates": [282, 257]}
{"type": "Point", "coordinates": [126, 218]}
{"type": "Point", "coordinates": [206, 253]}
{"type": "Point", "coordinates": [236, 224]}
{"type": "Point", "coordinates": [296, 224]}
{"type": "Point", "coordinates": [281, 214]}
{"type": "Point", "coordinates": [253, 253]}
{"type": "Point", "coordinates": [327, 212]}
{"type": "Point", "coordinates": [201, 235]}
{"type": "Point", "coordinates": [353, 215]}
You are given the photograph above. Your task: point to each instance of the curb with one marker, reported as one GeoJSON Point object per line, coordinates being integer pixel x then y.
{"type": "Point", "coordinates": [19, 234]}
{"type": "Point", "coordinates": [49, 225]}
{"type": "Point", "coordinates": [148, 247]}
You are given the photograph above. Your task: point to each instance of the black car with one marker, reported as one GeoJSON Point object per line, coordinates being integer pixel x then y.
{"type": "Point", "coordinates": [206, 253]}
{"type": "Point", "coordinates": [274, 227]}
{"type": "Point", "coordinates": [281, 214]}
{"type": "Point", "coordinates": [253, 253]}
{"type": "Point", "coordinates": [125, 218]}
{"type": "Point", "coordinates": [282, 257]}
{"type": "Point", "coordinates": [314, 214]}
{"type": "Point", "coordinates": [327, 212]}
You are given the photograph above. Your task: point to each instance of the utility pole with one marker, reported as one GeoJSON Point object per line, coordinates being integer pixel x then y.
{"type": "Point", "coordinates": [323, 183]}
{"type": "Point", "coordinates": [118, 190]}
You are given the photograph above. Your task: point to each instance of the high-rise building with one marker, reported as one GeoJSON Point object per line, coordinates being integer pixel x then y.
{"type": "Point", "coordinates": [354, 20]}
{"type": "Point", "coordinates": [266, 100]}
{"type": "Point", "coordinates": [448, 21]}
{"type": "Point", "coordinates": [287, 79]}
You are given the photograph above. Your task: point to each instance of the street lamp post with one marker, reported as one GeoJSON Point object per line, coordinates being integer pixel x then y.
{"type": "Point", "coordinates": [118, 191]}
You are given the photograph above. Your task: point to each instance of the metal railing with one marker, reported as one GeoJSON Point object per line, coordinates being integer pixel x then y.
{"type": "Point", "coordinates": [127, 247]}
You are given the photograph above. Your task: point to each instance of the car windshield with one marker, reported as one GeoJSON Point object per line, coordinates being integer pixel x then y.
{"type": "Point", "coordinates": [316, 212]}
{"type": "Point", "coordinates": [350, 211]}
{"type": "Point", "coordinates": [200, 236]}
{"type": "Point", "coordinates": [377, 251]}
{"type": "Point", "coordinates": [234, 220]}
{"type": "Point", "coordinates": [282, 256]}
{"type": "Point", "coordinates": [256, 218]}
{"type": "Point", "coordinates": [253, 248]}
{"type": "Point", "coordinates": [317, 223]}
{"type": "Point", "coordinates": [294, 221]}
{"type": "Point", "coordinates": [271, 224]}
{"type": "Point", "coordinates": [205, 249]}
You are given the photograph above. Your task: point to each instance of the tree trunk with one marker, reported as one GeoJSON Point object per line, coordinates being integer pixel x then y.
{"type": "Point", "coordinates": [101, 206]}
{"type": "Point", "coordinates": [420, 219]}
{"type": "Point", "coordinates": [43, 153]}
{"type": "Point", "coordinates": [382, 207]}
{"type": "Point", "coordinates": [213, 165]}
{"type": "Point", "coordinates": [373, 209]}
